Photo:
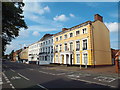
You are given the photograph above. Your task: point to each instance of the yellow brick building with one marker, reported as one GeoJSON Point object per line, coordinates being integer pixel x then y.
{"type": "Point", "coordinates": [85, 44]}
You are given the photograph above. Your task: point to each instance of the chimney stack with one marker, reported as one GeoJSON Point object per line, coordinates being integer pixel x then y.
{"type": "Point", "coordinates": [64, 29]}
{"type": "Point", "coordinates": [98, 17]}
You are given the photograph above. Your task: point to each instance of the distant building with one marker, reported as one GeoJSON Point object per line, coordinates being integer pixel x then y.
{"type": "Point", "coordinates": [33, 53]}
{"type": "Point", "coordinates": [84, 44]}
{"type": "Point", "coordinates": [16, 55]}
{"type": "Point", "coordinates": [24, 55]}
{"type": "Point", "coordinates": [113, 53]}
{"type": "Point", "coordinates": [117, 55]}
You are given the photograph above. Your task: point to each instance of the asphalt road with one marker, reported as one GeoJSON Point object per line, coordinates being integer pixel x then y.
{"type": "Point", "coordinates": [25, 76]}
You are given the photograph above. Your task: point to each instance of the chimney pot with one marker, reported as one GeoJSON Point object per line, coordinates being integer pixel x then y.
{"type": "Point", "coordinates": [64, 29]}
{"type": "Point", "coordinates": [98, 17]}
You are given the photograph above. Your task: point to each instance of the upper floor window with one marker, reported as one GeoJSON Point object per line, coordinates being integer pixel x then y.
{"type": "Point", "coordinates": [52, 40]}
{"type": "Point", "coordinates": [77, 32]}
{"type": "Point", "coordinates": [46, 49]}
{"type": "Point", "coordinates": [77, 45]}
{"type": "Point", "coordinates": [60, 37]}
{"type": "Point", "coordinates": [60, 47]}
{"type": "Point", "coordinates": [51, 49]}
{"type": "Point", "coordinates": [57, 39]}
{"type": "Point", "coordinates": [85, 44]}
{"type": "Point", "coordinates": [43, 43]}
{"type": "Point", "coordinates": [71, 46]}
{"type": "Point", "coordinates": [43, 49]}
{"type": "Point", "coordinates": [46, 42]}
{"type": "Point", "coordinates": [65, 36]}
{"type": "Point", "coordinates": [65, 46]}
{"type": "Point", "coordinates": [84, 30]}
{"type": "Point", "coordinates": [49, 41]}
{"type": "Point", "coordinates": [56, 48]}
{"type": "Point", "coordinates": [71, 34]}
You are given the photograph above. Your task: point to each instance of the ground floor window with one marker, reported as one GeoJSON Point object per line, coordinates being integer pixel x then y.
{"type": "Point", "coordinates": [85, 58]}
{"type": "Point", "coordinates": [78, 58]}
{"type": "Point", "coordinates": [45, 58]}
{"type": "Point", "coordinates": [51, 58]}
{"type": "Point", "coordinates": [56, 58]}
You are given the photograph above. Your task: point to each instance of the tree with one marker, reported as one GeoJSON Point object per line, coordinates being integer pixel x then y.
{"type": "Point", "coordinates": [12, 22]}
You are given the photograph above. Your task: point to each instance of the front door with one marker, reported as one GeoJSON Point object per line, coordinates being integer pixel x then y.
{"type": "Point", "coordinates": [71, 59]}
{"type": "Point", "coordinates": [62, 59]}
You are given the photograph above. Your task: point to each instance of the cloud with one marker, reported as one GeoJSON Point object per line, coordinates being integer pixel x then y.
{"type": "Point", "coordinates": [72, 15]}
{"type": "Point", "coordinates": [47, 9]}
{"type": "Point", "coordinates": [24, 33]}
{"type": "Point", "coordinates": [42, 28]}
{"type": "Point", "coordinates": [36, 33]}
{"type": "Point", "coordinates": [92, 4]}
{"type": "Point", "coordinates": [112, 26]}
{"type": "Point", "coordinates": [35, 8]}
{"type": "Point", "coordinates": [61, 17]}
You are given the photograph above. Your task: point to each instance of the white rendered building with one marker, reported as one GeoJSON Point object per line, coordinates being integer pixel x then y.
{"type": "Point", "coordinates": [33, 53]}
{"type": "Point", "coordinates": [46, 49]}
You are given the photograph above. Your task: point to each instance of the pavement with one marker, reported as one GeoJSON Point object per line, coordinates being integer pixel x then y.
{"type": "Point", "coordinates": [105, 70]}
{"type": "Point", "coordinates": [45, 77]}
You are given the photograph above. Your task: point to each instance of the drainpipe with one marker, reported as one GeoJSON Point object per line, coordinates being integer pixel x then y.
{"type": "Point", "coordinates": [92, 45]}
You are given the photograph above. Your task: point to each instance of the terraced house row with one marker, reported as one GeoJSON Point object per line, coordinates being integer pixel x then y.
{"type": "Point", "coordinates": [85, 44]}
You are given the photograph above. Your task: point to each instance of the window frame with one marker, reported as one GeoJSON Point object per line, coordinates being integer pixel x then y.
{"type": "Point", "coordinates": [77, 31]}
{"type": "Point", "coordinates": [77, 58]}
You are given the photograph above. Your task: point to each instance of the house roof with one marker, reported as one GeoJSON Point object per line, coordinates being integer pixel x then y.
{"type": "Point", "coordinates": [72, 28]}
{"type": "Point", "coordinates": [45, 36]}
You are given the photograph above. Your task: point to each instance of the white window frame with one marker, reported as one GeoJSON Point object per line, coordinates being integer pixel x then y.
{"type": "Point", "coordinates": [76, 44]}
{"type": "Point", "coordinates": [70, 33]}
{"type": "Point", "coordinates": [83, 62]}
{"type": "Point", "coordinates": [61, 47]}
{"type": "Point", "coordinates": [72, 46]}
{"type": "Point", "coordinates": [77, 59]}
{"type": "Point", "coordinates": [76, 31]}
{"type": "Point", "coordinates": [87, 43]}
{"type": "Point", "coordinates": [66, 37]}
{"type": "Point", "coordinates": [60, 38]}
{"type": "Point", "coordinates": [83, 29]}
{"type": "Point", "coordinates": [65, 47]}
{"type": "Point", "coordinates": [56, 38]}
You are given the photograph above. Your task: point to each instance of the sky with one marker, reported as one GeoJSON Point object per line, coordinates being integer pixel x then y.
{"type": "Point", "coordinates": [50, 17]}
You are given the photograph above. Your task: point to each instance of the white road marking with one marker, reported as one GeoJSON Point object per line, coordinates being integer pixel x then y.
{"type": "Point", "coordinates": [61, 73]}
{"type": "Point", "coordinates": [31, 69]}
{"type": "Point", "coordinates": [15, 77]}
{"type": "Point", "coordinates": [12, 70]}
{"type": "Point", "coordinates": [42, 86]}
{"type": "Point", "coordinates": [7, 80]}
{"type": "Point", "coordinates": [93, 82]}
{"type": "Point", "coordinates": [12, 86]}
{"type": "Point", "coordinates": [1, 81]}
{"type": "Point", "coordinates": [23, 76]}
{"type": "Point", "coordinates": [51, 73]}
{"type": "Point", "coordinates": [104, 79]}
